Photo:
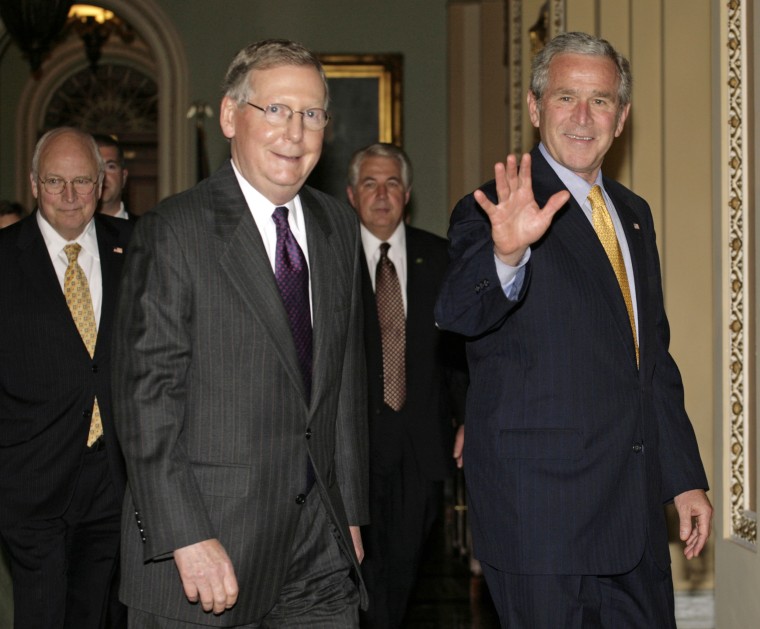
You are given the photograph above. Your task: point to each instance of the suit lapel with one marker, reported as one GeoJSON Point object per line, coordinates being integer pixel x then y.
{"type": "Point", "coordinates": [323, 273]}
{"type": "Point", "coordinates": [244, 261]}
{"type": "Point", "coordinates": [573, 229]}
{"type": "Point", "coordinates": [34, 260]}
{"type": "Point", "coordinates": [635, 239]}
{"type": "Point", "coordinates": [111, 252]}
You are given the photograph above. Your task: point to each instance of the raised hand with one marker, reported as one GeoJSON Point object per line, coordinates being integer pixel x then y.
{"type": "Point", "coordinates": [516, 220]}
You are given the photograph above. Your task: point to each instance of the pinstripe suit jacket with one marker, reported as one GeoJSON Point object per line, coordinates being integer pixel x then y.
{"type": "Point", "coordinates": [571, 451]}
{"type": "Point", "coordinates": [210, 402]}
{"type": "Point", "coordinates": [47, 379]}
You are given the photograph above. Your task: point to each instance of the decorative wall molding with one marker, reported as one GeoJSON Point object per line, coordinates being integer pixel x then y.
{"type": "Point", "coordinates": [164, 59]}
{"type": "Point", "coordinates": [738, 326]}
{"type": "Point", "coordinates": [549, 23]}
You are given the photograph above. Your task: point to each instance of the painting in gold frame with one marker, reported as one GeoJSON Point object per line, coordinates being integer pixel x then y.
{"type": "Point", "coordinates": [365, 107]}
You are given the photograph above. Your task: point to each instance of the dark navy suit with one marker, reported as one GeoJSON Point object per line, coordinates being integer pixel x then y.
{"type": "Point", "coordinates": [571, 450]}
{"type": "Point", "coordinates": [47, 386]}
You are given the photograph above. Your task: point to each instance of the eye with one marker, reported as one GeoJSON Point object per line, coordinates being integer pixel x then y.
{"type": "Point", "coordinates": [52, 181]}
{"type": "Point", "coordinates": [81, 181]}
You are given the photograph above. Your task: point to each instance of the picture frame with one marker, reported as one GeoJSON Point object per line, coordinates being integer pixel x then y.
{"type": "Point", "coordinates": [365, 107]}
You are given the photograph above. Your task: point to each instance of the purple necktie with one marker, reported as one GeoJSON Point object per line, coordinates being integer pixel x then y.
{"type": "Point", "coordinates": [292, 275]}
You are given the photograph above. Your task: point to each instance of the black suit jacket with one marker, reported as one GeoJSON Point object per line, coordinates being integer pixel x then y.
{"type": "Point", "coordinates": [210, 402]}
{"type": "Point", "coordinates": [47, 379]}
{"type": "Point", "coordinates": [434, 367]}
{"type": "Point", "coordinates": [571, 451]}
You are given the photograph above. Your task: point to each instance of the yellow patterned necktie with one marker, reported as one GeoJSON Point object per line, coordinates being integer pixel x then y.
{"type": "Point", "coordinates": [77, 292]}
{"type": "Point", "coordinates": [604, 228]}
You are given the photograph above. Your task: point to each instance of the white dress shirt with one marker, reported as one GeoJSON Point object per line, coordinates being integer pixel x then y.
{"type": "Point", "coordinates": [88, 259]}
{"type": "Point", "coordinates": [262, 209]}
{"type": "Point", "coordinates": [396, 254]}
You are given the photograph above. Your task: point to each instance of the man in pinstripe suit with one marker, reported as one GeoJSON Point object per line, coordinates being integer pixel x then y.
{"type": "Point", "coordinates": [247, 466]}
{"type": "Point", "coordinates": [576, 428]}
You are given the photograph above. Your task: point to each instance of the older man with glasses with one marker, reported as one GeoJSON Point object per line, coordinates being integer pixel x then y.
{"type": "Point", "coordinates": [240, 390]}
{"type": "Point", "coordinates": [61, 472]}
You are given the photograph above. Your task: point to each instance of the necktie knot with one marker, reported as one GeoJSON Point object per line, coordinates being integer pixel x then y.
{"type": "Point", "coordinates": [280, 216]}
{"type": "Point", "coordinates": [596, 198]}
{"type": "Point", "coordinates": [72, 252]}
{"type": "Point", "coordinates": [384, 249]}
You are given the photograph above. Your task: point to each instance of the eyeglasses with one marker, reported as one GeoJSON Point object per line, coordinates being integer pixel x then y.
{"type": "Point", "coordinates": [278, 115]}
{"type": "Point", "coordinates": [56, 185]}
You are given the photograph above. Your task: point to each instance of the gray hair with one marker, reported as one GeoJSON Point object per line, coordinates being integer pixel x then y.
{"type": "Point", "coordinates": [263, 55]}
{"type": "Point", "coordinates": [580, 44]}
{"type": "Point", "coordinates": [54, 133]}
{"type": "Point", "coordinates": [380, 149]}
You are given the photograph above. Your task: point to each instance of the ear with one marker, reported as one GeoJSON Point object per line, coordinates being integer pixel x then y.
{"type": "Point", "coordinates": [534, 110]}
{"type": "Point", "coordinates": [407, 196]}
{"type": "Point", "coordinates": [35, 190]}
{"type": "Point", "coordinates": [227, 117]}
{"type": "Point", "coordinates": [621, 119]}
{"type": "Point", "coordinates": [124, 175]}
{"type": "Point", "coordinates": [350, 195]}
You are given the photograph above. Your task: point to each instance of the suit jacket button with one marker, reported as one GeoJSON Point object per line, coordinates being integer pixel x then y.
{"type": "Point", "coordinates": [300, 499]}
{"type": "Point", "coordinates": [94, 368]}
{"type": "Point", "coordinates": [308, 433]}
{"type": "Point", "coordinates": [638, 447]}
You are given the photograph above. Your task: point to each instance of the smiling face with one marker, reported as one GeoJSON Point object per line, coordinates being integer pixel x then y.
{"type": "Point", "coordinates": [380, 196]}
{"type": "Point", "coordinates": [275, 160]}
{"type": "Point", "coordinates": [67, 156]}
{"type": "Point", "coordinates": [579, 117]}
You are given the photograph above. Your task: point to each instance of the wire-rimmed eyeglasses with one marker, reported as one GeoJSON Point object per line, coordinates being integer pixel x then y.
{"type": "Point", "coordinates": [278, 115]}
{"type": "Point", "coordinates": [56, 185]}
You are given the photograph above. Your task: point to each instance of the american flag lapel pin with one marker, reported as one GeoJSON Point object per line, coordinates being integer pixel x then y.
{"type": "Point", "coordinates": [636, 226]}
{"type": "Point", "coordinates": [118, 250]}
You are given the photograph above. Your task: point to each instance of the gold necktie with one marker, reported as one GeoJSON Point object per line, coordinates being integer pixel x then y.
{"type": "Point", "coordinates": [390, 314]}
{"type": "Point", "coordinates": [77, 292]}
{"type": "Point", "coordinates": [606, 232]}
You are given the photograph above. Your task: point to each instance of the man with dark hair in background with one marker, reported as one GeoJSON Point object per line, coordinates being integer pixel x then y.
{"type": "Point", "coordinates": [10, 213]}
{"type": "Point", "coordinates": [116, 173]}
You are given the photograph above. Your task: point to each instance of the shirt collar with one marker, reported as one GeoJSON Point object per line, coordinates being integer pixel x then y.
{"type": "Point", "coordinates": [55, 243]}
{"type": "Point", "coordinates": [258, 203]}
{"type": "Point", "coordinates": [576, 184]}
{"type": "Point", "coordinates": [372, 243]}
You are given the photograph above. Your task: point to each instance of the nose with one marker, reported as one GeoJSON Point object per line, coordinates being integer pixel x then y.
{"type": "Point", "coordinates": [581, 112]}
{"type": "Point", "coordinates": [382, 190]}
{"type": "Point", "coordinates": [294, 127]}
{"type": "Point", "coordinates": [69, 194]}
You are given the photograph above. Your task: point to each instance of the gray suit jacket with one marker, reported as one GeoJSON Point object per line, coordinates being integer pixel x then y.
{"type": "Point", "coordinates": [210, 403]}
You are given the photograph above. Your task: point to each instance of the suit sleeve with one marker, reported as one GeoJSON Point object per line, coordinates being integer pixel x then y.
{"type": "Point", "coordinates": [352, 442]}
{"type": "Point", "coordinates": [471, 301]}
{"type": "Point", "coordinates": [152, 353]}
{"type": "Point", "coordinates": [680, 461]}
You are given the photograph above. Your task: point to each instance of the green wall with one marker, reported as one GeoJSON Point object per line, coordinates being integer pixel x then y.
{"type": "Point", "coordinates": [213, 31]}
